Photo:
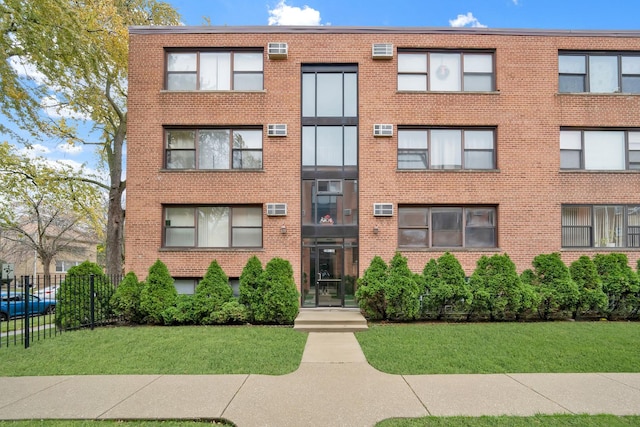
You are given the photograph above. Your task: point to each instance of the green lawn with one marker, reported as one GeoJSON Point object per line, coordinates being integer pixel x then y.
{"type": "Point", "coordinates": [480, 348]}
{"type": "Point", "coordinates": [159, 350]}
{"type": "Point", "coordinates": [504, 421]}
{"type": "Point", "coordinates": [18, 323]}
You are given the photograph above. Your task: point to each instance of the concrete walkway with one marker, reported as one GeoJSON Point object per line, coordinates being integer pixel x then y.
{"type": "Point", "coordinates": [334, 386]}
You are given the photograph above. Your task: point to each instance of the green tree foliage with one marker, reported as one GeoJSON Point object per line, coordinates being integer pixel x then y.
{"type": "Point", "coordinates": [446, 286]}
{"type": "Point", "coordinates": [619, 283]}
{"type": "Point", "coordinates": [231, 312]}
{"type": "Point", "coordinates": [249, 284]}
{"type": "Point", "coordinates": [158, 293]}
{"type": "Point", "coordinates": [73, 56]}
{"type": "Point", "coordinates": [402, 292]}
{"type": "Point", "coordinates": [278, 296]}
{"type": "Point", "coordinates": [211, 293]}
{"type": "Point", "coordinates": [497, 288]}
{"type": "Point", "coordinates": [182, 313]}
{"type": "Point", "coordinates": [592, 298]}
{"type": "Point", "coordinates": [73, 308]}
{"type": "Point", "coordinates": [551, 279]}
{"type": "Point", "coordinates": [371, 290]}
{"type": "Point", "coordinates": [126, 299]}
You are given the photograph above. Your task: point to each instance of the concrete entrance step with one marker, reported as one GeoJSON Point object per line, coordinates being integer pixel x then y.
{"type": "Point", "coordinates": [330, 320]}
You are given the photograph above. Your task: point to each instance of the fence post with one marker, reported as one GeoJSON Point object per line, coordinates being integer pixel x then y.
{"type": "Point", "coordinates": [27, 312]}
{"type": "Point", "coordinates": [93, 299]}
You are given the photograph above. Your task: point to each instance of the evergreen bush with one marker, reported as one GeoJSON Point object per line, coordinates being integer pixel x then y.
{"type": "Point", "coordinates": [447, 288]}
{"type": "Point", "coordinates": [371, 290]}
{"type": "Point", "coordinates": [73, 307]}
{"type": "Point", "coordinates": [211, 293]}
{"type": "Point", "coordinates": [126, 299]}
{"type": "Point", "coordinates": [183, 312]}
{"type": "Point", "coordinates": [592, 299]}
{"type": "Point", "coordinates": [402, 292]}
{"type": "Point", "coordinates": [158, 294]}
{"type": "Point", "coordinates": [249, 285]}
{"type": "Point", "coordinates": [557, 292]}
{"type": "Point", "coordinates": [231, 312]}
{"type": "Point", "coordinates": [619, 283]}
{"type": "Point", "coordinates": [276, 297]}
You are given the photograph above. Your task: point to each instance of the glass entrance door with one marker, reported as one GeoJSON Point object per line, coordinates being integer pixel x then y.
{"type": "Point", "coordinates": [328, 276]}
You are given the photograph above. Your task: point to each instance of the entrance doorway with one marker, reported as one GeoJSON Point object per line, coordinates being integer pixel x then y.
{"type": "Point", "coordinates": [329, 274]}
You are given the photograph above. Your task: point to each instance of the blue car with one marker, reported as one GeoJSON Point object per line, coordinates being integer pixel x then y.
{"type": "Point", "coordinates": [12, 304]}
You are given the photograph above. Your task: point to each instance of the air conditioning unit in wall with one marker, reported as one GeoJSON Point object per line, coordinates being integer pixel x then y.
{"type": "Point", "coordinates": [277, 50]}
{"type": "Point", "coordinates": [276, 209]}
{"type": "Point", "coordinates": [277, 129]}
{"type": "Point", "coordinates": [383, 209]}
{"type": "Point", "coordinates": [382, 130]}
{"type": "Point", "coordinates": [382, 51]}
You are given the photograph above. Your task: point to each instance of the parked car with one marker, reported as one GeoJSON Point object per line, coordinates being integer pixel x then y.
{"type": "Point", "coordinates": [47, 293]}
{"type": "Point", "coordinates": [12, 304]}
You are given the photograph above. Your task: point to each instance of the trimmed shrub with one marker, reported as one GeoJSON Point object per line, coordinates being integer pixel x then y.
{"type": "Point", "coordinates": [619, 283]}
{"type": "Point", "coordinates": [276, 297]}
{"type": "Point", "coordinates": [371, 290]}
{"type": "Point", "coordinates": [231, 312]}
{"type": "Point", "coordinates": [73, 307]}
{"type": "Point", "coordinates": [592, 299]}
{"type": "Point", "coordinates": [249, 284]}
{"type": "Point", "coordinates": [402, 292]}
{"type": "Point", "coordinates": [211, 293]}
{"type": "Point", "coordinates": [446, 286]}
{"type": "Point", "coordinates": [552, 282]}
{"type": "Point", "coordinates": [497, 289]}
{"type": "Point", "coordinates": [158, 294]}
{"type": "Point", "coordinates": [126, 300]}
{"type": "Point", "coordinates": [182, 313]}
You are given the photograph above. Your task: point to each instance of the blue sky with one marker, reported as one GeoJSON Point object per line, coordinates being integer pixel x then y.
{"type": "Point", "coordinates": [544, 14]}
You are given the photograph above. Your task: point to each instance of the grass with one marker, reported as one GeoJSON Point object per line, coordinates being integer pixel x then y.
{"type": "Point", "coordinates": [482, 348]}
{"type": "Point", "coordinates": [17, 324]}
{"type": "Point", "coordinates": [159, 350]}
{"type": "Point", "coordinates": [508, 421]}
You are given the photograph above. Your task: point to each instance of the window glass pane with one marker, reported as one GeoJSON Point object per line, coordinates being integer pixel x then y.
{"type": "Point", "coordinates": [181, 159]}
{"type": "Point", "coordinates": [480, 238]}
{"type": "Point", "coordinates": [247, 217]}
{"type": "Point", "coordinates": [608, 226]}
{"type": "Point", "coordinates": [478, 160]}
{"type": "Point", "coordinates": [447, 227]}
{"type": "Point", "coordinates": [179, 217]}
{"type": "Point", "coordinates": [308, 145]}
{"type": "Point", "coordinates": [413, 237]}
{"type": "Point", "coordinates": [329, 146]}
{"type": "Point", "coordinates": [478, 63]}
{"type": "Point", "coordinates": [214, 149]}
{"type": "Point", "coordinates": [350, 95]}
{"type": "Point", "coordinates": [185, 286]}
{"type": "Point", "coordinates": [478, 83]}
{"type": "Point", "coordinates": [329, 95]}
{"type": "Point", "coordinates": [569, 159]}
{"type": "Point", "coordinates": [413, 217]}
{"type": "Point", "coordinates": [576, 215]}
{"type": "Point", "coordinates": [247, 139]}
{"type": "Point", "coordinates": [308, 95]}
{"type": "Point", "coordinates": [570, 140]}
{"type": "Point", "coordinates": [604, 150]}
{"type": "Point", "coordinates": [412, 63]}
{"type": "Point", "coordinates": [631, 84]}
{"type": "Point", "coordinates": [480, 217]}
{"type": "Point", "coordinates": [444, 69]}
{"type": "Point", "coordinates": [181, 81]}
{"type": "Point", "coordinates": [247, 237]}
{"type": "Point", "coordinates": [412, 82]}
{"type": "Point", "coordinates": [603, 74]}
{"type": "Point", "coordinates": [180, 237]}
{"type": "Point", "coordinates": [446, 149]}
{"type": "Point", "coordinates": [215, 71]}
{"type": "Point", "coordinates": [213, 227]}
{"type": "Point", "coordinates": [633, 224]}
{"type": "Point", "coordinates": [631, 65]}
{"type": "Point", "coordinates": [412, 160]}
{"type": "Point", "coordinates": [571, 83]}
{"type": "Point", "coordinates": [247, 159]}
{"type": "Point", "coordinates": [478, 139]}
{"type": "Point", "coordinates": [412, 139]}
{"type": "Point", "coordinates": [181, 62]}
{"type": "Point", "coordinates": [634, 140]}
{"type": "Point", "coordinates": [572, 64]}
{"type": "Point", "coordinates": [247, 61]}
{"type": "Point", "coordinates": [350, 146]}
{"type": "Point", "coordinates": [247, 81]}
{"type": "Point", "coordinates": [181, 139]}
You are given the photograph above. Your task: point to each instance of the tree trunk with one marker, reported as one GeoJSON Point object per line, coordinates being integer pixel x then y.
{"type": "Point", "coordinates": [115, 212]}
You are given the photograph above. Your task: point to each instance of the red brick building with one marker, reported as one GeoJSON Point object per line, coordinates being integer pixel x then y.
{"type": "Point", "coordinates": [327, 146]}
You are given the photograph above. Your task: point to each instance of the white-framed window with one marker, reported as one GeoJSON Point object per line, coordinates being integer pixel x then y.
{"type": "Point", "coordinates": [437, 148]}
{"type": "Point", "coordinates": [213, 226]}
{"type": "Point", "coordinates": [64, 266]}
{"type": "Point", "coordinates": [599, 72]}
{"type": "Point", "coordinates": [215, 70]}
{"type": "Point", "coordinates": [600, 149]}
{"type": "Point", "coordinates": [445, 71]}
{"type": "Point", "coordinates": [601, 226]}
{"type": "Point", "coordinates": [213, 149]}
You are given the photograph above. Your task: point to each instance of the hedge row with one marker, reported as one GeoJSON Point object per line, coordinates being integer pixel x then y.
{"type": "Point", "coordinates": [267, 296]}
{"type": "Point", "coordinates": [602, 287]}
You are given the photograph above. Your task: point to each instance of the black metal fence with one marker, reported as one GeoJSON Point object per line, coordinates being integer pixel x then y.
{"type": "Point", "coordinates": [41, 307]}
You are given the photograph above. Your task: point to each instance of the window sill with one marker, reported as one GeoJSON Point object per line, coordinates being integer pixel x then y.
{"type": "Point", "coordinates": [187, 249]}
{"type": "Point", "coordinates": [600, 249]}
{"type": "Point", "coordinates": [599, 171]}
{"type": "Point", "coordinates": [451, 170]}
{"type": "Point", "coordinates": [455, 249]}
{"type": "Point", "coordinates": [447, 92]}
{"type": "Point", "coordinates": [163, 91]}
{"type": "Point", "coordinates": [599, 93]}
{"type": "Point", "coordinates": [211, 170]}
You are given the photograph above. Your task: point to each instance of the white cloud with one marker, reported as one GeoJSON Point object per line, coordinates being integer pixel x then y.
{"type": "Point", "coordinates": [467, 20]}
{"type": "Point", "coordinates": [70, 149]}
{"type": "Point", "coordinates": [34, 150]}
{"type": "Point", "coordinates": [55, 109]}
{"type": "Point", "coordinates": [283, 14]}
{"type": "Point", "coordinates": [26, 69]}
{"type": "Point", "coordinates": [515, 2]}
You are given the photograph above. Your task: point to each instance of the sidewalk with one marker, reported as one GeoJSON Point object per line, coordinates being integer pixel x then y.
{"type": "Point", "coordinates": [334, 386]}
